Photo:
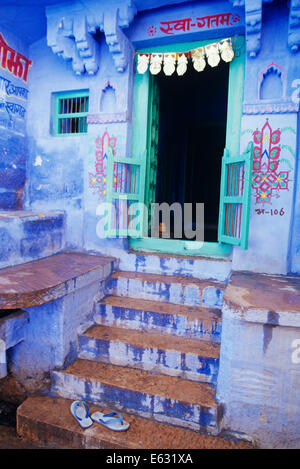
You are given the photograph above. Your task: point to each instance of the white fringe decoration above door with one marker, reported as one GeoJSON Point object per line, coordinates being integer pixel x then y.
{"type": "Point", "coordinates": [171, 61]}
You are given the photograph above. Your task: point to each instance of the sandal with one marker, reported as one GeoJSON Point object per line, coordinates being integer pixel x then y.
{"type": "Point", "coordinates": [117, 424]}
{"type": "Point", "coordinates": [80, 410]}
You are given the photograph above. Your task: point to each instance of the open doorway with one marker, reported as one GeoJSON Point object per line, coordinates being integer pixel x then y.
{"type": "Point", "coordinates": [191, 140]}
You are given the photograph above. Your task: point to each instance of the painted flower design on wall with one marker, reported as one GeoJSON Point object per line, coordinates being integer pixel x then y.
{"type": "Point", "coordinates": [267, 179]}
{"type": "Point", "coordinates": [105, 148]}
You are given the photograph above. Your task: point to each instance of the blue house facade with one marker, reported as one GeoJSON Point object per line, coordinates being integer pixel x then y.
{"type": "Point", "coordinates": [109, 107]}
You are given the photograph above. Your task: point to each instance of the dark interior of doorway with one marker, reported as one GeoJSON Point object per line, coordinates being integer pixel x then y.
{"type": "Point", "coordinates": [192, 131]}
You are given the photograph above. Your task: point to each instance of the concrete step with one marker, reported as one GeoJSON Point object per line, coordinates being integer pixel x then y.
{"type": "Point", "coordinates": [43, 418]}
{"type": "Point", "coordinates": [193, 322]}
{"type": "Point", "coordinates": [167, 288]}
{"type": "Point", "coordinates": [165, 399]}
{"type": "Point", "coordinates": [179, 320]}
{"type": "Point", "coordinates": [175, 264]}
{"type": "Point", "coordinates": [187, 358]}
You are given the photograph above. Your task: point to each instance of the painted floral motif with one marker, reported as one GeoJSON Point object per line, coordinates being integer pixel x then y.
{"type": "Point", "coordinates": [267, 179]}
{"type": "Point", "coordinates": [105, 148]}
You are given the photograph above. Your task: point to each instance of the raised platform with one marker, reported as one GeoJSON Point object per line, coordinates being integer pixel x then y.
{"type": "Point", "coordinates": [29, 235]}
{"type": "Point", "coordinates": [58, 294]}
{"type": "Point", "coordinates": [44, 280]}
{"type": "Point", "coordinates": [266, 299]}
{"type": "Point", "coordinates": [259, 373]}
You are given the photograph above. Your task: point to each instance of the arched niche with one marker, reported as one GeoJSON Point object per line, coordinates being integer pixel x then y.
{"type": "Point", "coordinates": [272, 83]}
{"type": "Point", "coordinates": [108, 107]}
{"type": "Point", "coordinates": [108, 99]}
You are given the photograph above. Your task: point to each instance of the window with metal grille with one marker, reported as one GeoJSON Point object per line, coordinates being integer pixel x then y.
{"type": "Point", "coordinates": [70, 113]}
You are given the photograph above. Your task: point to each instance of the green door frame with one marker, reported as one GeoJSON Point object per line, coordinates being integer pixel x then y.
{"type": "Point", "coordinates": [233, 130]}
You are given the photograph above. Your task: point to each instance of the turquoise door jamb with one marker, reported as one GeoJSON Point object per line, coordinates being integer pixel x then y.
{"type": "Point", "coordinates": [233, 130]}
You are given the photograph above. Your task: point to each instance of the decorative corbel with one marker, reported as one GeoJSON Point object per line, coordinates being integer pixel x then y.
{"type": "Point", "coordinates": [88, 48]}
{"type": "Point", "coordinates": [71, 29]}
{"type": "Point", "coordinates": [294, 26]}
{"type": "Point", "coordinates": [118, 16]}
{"type": "Point", "coordinates": [69, 38]}
{"type": "Point", "coordinates": [118, 44]}
{"type": "Point", "coordinates": [65, 47]}
{"type": "Point", "coordinates": [253, 19]}
{"type": "Point", "coordinates": [253, 23]}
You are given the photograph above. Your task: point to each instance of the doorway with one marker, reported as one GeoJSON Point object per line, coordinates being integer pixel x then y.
{"type": "Point", "coordinates": [145, 151]}
{"type": "Point", "coordinates": [191, 141]}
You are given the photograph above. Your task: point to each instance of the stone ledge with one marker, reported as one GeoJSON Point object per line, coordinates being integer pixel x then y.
{"type": "Point", "coordinates": [27, 235]}
{"type": "Point", "coordinates": [266, 299]}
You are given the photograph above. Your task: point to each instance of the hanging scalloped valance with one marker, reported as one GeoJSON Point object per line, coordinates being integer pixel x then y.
{"type": "Point", "coordinates": [169, 61]}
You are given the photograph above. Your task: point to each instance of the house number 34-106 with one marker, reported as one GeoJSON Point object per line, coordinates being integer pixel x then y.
{"type": "Point", "coordinates": [262, 211]}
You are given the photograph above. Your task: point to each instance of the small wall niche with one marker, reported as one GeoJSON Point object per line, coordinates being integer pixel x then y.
{"type": "Point", "coordinates": [108, 99]}
{"type": "Point", "coordinates": [272, 83]}
{"type": "Point", "coordinates": [109, 104]}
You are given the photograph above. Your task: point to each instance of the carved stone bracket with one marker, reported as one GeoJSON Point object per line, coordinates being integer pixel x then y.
{"type": "Point", "coordinates": [69, 38]}
{"type": "Point", "coordinates": [71, 32]}
{"type": "Point", "coordinates": [294, 26]}
{"type": "Point", "coordinates": [253, 21]}
{"type": "Point", "coordinates": [253, 16]}
{"type": "Point", "coordinates": [118, 44]}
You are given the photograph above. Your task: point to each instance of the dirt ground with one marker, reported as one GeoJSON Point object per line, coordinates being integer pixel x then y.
{"type": "Point", "coordinates": [8, 435]}
{"type": "Point", "coordinates": [10, 440]}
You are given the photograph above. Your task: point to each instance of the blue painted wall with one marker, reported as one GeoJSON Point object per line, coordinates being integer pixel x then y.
{"type": "Point", "coordinates": [55, 164]}
{"type": "Point", "coordinates": [268, 98]}
{"type": "Point", "coordinates": [62, 171]}
{"type": "Point", "coordinates": [13, 141]}
{"type": "Point", "coordinates": [59, 167]}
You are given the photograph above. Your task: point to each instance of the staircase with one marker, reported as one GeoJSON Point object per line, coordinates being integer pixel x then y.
{"type": "Point", "coordinates": [153, 354]}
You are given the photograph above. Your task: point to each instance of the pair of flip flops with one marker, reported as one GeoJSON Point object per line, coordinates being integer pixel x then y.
{"type": "Point", "coordinates": [114, 421]}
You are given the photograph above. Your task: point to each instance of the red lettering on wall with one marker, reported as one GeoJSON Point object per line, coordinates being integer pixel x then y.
{"type": "Point", "coordinates": [187, 24]}
{"type": "Point", "coordinates": [13, 61]}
